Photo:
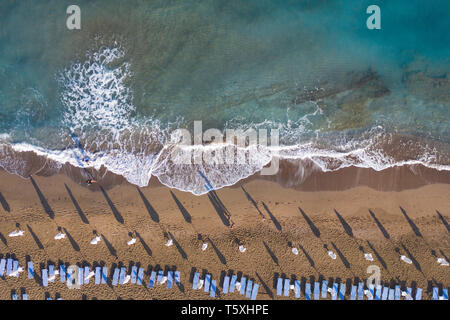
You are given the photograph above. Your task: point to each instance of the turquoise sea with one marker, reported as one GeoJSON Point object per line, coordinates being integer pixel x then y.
{"type": "Point", "coordinates": [113, 92]}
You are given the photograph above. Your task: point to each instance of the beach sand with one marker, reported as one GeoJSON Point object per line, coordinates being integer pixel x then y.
{"type": "Point", "coordinates": [339, 220]}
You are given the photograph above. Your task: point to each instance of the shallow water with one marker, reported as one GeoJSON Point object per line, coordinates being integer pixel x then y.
{"type": "Point", "coordinates": [339, 93]}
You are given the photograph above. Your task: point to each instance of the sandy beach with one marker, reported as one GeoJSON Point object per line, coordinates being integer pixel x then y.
{"type": "Point", "coordinates": [342, 221]}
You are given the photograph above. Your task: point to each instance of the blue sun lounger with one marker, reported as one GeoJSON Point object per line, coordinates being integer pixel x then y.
{"type": "Point", "coordinates": [123, 273]}
{"type": "Point", "coordinates": [226, 284]}
{"type": "Point", "coordinates": [279, 286]}
{"type": "Point", "coordinates": [24, 296]}
{"type": "Point", "coordinates": [398, 292]}
{"type": "Point", "coordinates": [419, 294]}
{"type": "Point", "coordinates": [287, 287]}
{"type": "Point", "coordinates": [378, 291]}
{"type": "Point", "coordinates": [243, 283]}
{"type": "Point", "coordinates": [16, 267]}
{"type": "Point", "coordinates": [69, 276]}
{"type": "Point", "coordinates": [160, 276]}
{"type": "Point", "coordinates": [133, 274]}
{"type": "Point", "coordinates": [152, 280]}
{"type": "Point", "coordinates": [87, 270]}
{"type": "Point", "coordinates": [342, 292]}
{"type": "Point", "coordinates": [248, 291]}
{"type": "Point", "coordinates": [308, 291]}
{"type": "Point", "coordinates": [44, 273]}
{"type": "Point", "coordinates": [62, 273]}
{"type": "Point", "coordinates": [335, 291]}
{"type": "Point", "coordinates": [233, 283]}
{"type": "Point", "coordinates": [115, 279]}
{"type": "Point", "coordinates": [9, 266]}
{"type": "Point", "coordinates": [98, 275]}
{"type": "Point", "coordinates": [14, 297]}
{"type": "Point", "coordinates": [30, 270]}
{"type": "Point", "coordinates": [324, 289]}
{"type": "Point", "coordinates": [212, 292]}
{"type": "Point", "coordinates": [177, 278]}
{"type": "Point", "coordinates": [80, 276]}
{"type": "Point", "coordinates": [353, 293]}
{"type": "Point", "coordinates": [385, 293]}
{"type": "Point", "coordinates": [254, 291]}
{"type": "Point", "coordinates": [445, 294]}
{"type": "Point", "coordinates": [51, 272]}
{"type": "Point", "coordinates": [372, 292]}
{"type": "Point", "coordinates": [435, 293]}
{"type": "Point", "coordinates": [207, 283]}
{"type": "Point", "coordinates": [169, 279]}
{"type": "Point", "coordinates": [140, 277]}
{"type": "Point", "coordinates": [361, 291]}
{"type": "Point", "coordinates": [409, 293]}
{"type": "Point", "coordinates": [317, 291]}
{"type": "Point", "coordinates": [297, 288]}
{"type": "Point", "coordinates": [391, 295]}
{"type": "Point", "coordinates": [195, 281]}
{"type": "Point", "coordinates": [104, 275]}
{"type": "Point", "coordinates": [2, 267]}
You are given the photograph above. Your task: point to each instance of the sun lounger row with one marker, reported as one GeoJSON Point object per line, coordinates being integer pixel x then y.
{"type": "Point", "coordinates": [337, 291]}
{"type": "Point", "coordinates": [245, 286]}
{"type": "Point", "coordinates": [9, 267]}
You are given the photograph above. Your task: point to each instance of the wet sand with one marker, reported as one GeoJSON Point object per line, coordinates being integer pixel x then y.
{"type": "Point", "coordinates": [339, 220]}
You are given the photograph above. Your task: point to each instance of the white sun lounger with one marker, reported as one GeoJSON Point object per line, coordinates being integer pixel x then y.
{"type": "Point", "coordinates": [195, 281]}
{"type": "Point", "coordinates": [297, 288]}
{"type": "Point", "coordinates": [207, 283]}
{"type": "Point", "coordinates": [133, 274]}
{"type": "Point", "coordinates": [435, 293]}
{"type": "Point", "coordinates": [391, 295]}
{"type": "Point", "coordinates": [51, 272]}
{"type": "Point", "coordinates": [212, 292]}
{"type": "Point", "coordinates": [353, 293]}
{"type": "Point", "coordinates": [104, 275]}
{"type": "Point", "coordinates": [98, 275]}
{"type": "Point", "coordinates": [279, 286]}
{"type": "Point", "coordinates": [2, 267]}
{"type": "Point", "coordinates": [385, 293]}
{"type": "Point", "coordinates": [324, 289]}
{"type": "Point", "coordinates": [335, 291]}
{"type": "Point", "coordinates": [226, 284]}
{"type": "Point", "coordinates": [409, 293]}
{"type": "Point", "coordinates": [30, 270]}
{"type": "Point", "coordinates": [418, 294]}
{"type": "Point", "coordinates": [342, 292]}
{"type": "Point", "coordinates": [169, 279]}
{"type": "Point", "coordinates": [115, 279]}
{"type": "Point", "coordinates": [287, 286]}
{"type": "Point", "coordinates": [123, 273]}
{"type": "Point", "coordinates": [398, 292]}
{"type": "Point", "coordinates": [44, 273]}
{"type": "Point", "coordinates": [80, 276]}
{"type": "Point", "coordinates": [233, 283]}
{"type": "Point", "coordinates": [16, 267]}
{"type": "Point", "coordinates": [317, 291]}
{"type": "Point", "coordinates": [9, 266]}
{"type": "Point", "coordinates": [87, 270]}
{"type": "Point", "coordinates": [254, 291]}
{"type": "Point", "coordinates": [62, 273]}
{"type": "Point", "coordinates": [140, 276]}
{"type": "Point", "coordinates": [248, 291]}
{"type": "Point", "coordinates": [308, 291]}
{"type": "Point", "coordinates": [243, 283]}
{"type": "Point", "coordinates": [24, 296]}
{"type": "Point", "coordinates": [360, 291]}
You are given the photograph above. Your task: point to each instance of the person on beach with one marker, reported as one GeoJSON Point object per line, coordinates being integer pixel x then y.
{"type": "Point", "coordinates": [90, 181]}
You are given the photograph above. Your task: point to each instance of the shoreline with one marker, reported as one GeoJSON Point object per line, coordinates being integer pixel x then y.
{"type": "Point", "coordinates": [161, 214]}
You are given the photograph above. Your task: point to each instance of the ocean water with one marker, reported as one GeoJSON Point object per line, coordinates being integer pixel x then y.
{"type": "Point", "coordinates": [339, 94]}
